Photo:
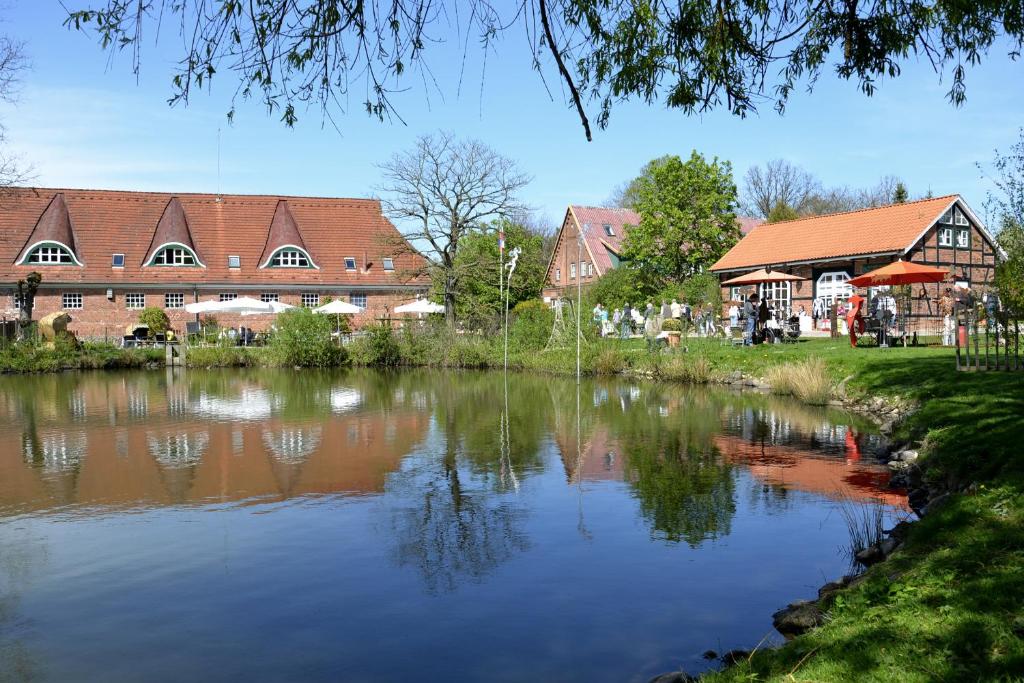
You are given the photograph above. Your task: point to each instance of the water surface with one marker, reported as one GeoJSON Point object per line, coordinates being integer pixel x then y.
{"type": "Point", "coordinates": [364, 526]}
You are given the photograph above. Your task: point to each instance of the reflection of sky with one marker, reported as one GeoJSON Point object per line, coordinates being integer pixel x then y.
{"type": "Point", "coordinates": [346, 399]}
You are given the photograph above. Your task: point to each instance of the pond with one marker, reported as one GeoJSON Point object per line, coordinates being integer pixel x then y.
{"type": "Point", "coordinates": [356, 525]}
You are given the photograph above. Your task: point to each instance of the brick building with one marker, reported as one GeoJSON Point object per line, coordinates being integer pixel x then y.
{"type": "Point", "coordinates": [105, 255]}
{"type": "Point", "coordinates": [829, 250]}
{"type": "Point", "coordinates": [604, 231]}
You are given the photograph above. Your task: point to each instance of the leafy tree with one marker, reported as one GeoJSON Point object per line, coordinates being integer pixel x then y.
{"type": "Point", "coordinates": [478, 297]}
{"type": "Point", "coordinates": [155, 319]}
{"type": "Point", "coordinates": [442, 191]}
{"type": "Point", "coordinates": [687, 217]}
{"type": "Point", "coordinates": [1006, 203]}
{"type": "Point", "coordinates": [694, 55]}
{"type": "Point", "coordinates": [623, 285]}
{"type": "Point", "coordinates": [782, 212]}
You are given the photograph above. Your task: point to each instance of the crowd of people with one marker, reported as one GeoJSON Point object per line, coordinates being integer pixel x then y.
{"type": "Point", "coordinates": [629, 321]}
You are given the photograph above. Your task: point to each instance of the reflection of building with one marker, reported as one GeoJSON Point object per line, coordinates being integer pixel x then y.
{"type": "Point", "coordinates": [167, 459]}
{"type": "Point", "coordinates": [795, 468]}
{"type": "Point", "coordinates": [597, 459]}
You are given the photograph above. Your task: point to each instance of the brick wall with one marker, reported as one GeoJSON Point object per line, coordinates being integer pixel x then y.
{"type": "Point", "coordinates": [106, 318]}
{"type": "Point", "coordinates": [566, 253]}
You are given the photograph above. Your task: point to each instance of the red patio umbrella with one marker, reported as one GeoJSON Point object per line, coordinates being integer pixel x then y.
{"type": "Point", "coordinates": [762, 275]}
{"type": "Point", "coordinates": [900, 273]}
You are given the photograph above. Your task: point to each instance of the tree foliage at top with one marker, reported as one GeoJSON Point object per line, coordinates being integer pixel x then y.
{"type": "Point", "coordinates": [694, 55]}
{"type": "Point", "coordinates": [479, 300]}
{"type": "Point", "coordinates": [687, 216]}
{"type": "Point", "coordinates": [1006, 205]}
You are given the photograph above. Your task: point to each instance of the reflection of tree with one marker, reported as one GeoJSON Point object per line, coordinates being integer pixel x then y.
{"type": "Point", "coordinates": [452, 527]}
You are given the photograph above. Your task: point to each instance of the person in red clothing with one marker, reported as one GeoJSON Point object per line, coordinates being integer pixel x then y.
{"type": "Point", "coordinates": [854, 318]}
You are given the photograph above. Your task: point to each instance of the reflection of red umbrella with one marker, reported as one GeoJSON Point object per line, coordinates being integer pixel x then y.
{"type": "Point", "coordinates": [763, 275]}
{"type": "Point", "coordinates": [900, 273]}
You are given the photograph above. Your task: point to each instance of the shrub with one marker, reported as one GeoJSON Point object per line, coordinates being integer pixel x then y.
{"type": "Point", "coordinates": [220, 357]}
{"type": "Point", "coordinates": [530, 325]}
{"type": "Point", "coordinates": [154, 318]}
{"type": "Point", "coordinates": [608, 362]}
{"type": "Point", "coordinates": [303, 339]}
{"type": "Point", "coordinates": [807, 380]}
{"type": "Point", "coordinates": [671, 325]}
{"type": "Point", "coordinates": [378, 347]}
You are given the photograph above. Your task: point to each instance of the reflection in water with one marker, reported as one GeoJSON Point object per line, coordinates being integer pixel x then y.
{"type": "Point", "coordinates": [429, 506]}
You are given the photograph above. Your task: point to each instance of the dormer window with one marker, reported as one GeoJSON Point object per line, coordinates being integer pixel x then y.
{"type": "Point", "coordinates": [290, 257]}
{"type": "Point", "coordinates": [608, 230]}
{"type": "Point", "coordinates": [50, 254]}
{"type": "Point", "coordinates": [174, 255]}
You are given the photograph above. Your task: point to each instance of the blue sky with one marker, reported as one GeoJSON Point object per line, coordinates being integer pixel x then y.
{"type": "Point", "coordinates": [83, 120]}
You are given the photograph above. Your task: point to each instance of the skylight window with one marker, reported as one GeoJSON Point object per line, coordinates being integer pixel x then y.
{"type": "Point", "coordinates": [350, 263]}
{"type": "Point", "coordinates": [608, 230]}
{"type": "Point", "coordinates": [117, 261]}
{"type": "Point", "coordinates": [234, 261]}
{"type": "Point", "coordinates": [389, 263]}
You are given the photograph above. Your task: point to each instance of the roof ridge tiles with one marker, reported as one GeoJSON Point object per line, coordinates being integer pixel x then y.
{"type": "Point", "coordinates": [860, 210]}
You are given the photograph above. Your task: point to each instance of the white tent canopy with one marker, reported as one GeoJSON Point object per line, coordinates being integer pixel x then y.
{"type": "Point", "coordinates": [420, 306]}
{"type": "Point", "coordinates": [243, 304]}
{"type": "Point", "coordinates": [338, 307]}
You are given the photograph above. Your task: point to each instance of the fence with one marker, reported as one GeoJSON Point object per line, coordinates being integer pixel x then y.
{"type": "Point", "coordinates": [987, 340]}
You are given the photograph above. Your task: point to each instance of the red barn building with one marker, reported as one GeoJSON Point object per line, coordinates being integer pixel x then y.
{"type": "Point", "coordinates": [105, 255]}
{"type": "Point", "coordinates": [829, 250]}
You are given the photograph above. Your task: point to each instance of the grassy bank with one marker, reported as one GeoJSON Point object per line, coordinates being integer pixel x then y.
{"type": "Point", "coordinates": [26, 358]}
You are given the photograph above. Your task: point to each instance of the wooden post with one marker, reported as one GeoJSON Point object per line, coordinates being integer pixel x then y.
{"type": "Point", "coordinates": [956, 335]}
{"type": "Point", "coordinates": [977, 354]}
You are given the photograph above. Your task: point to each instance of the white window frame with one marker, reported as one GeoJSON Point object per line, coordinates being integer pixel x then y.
{"type": "Point", "coordinates": [357, 299]}
{"type": "Point", "coordinates": [947, 218]}
{"type": "Point", "coordinates": [134, 301]}
{"type": "Point", "coordinates": [114, 263]}
{"type": "Point", "coordinates": [558, 274]}
{"type": "Point", "coordinates": [966, 242]}
{"type": "Point", "coordinates": [833, 286]}
{"type": "Point", "coordinates": [227, 296]}
{"type": "Point", "coordinates": [290, 257]}
{"type": "Point", "coordinates": [608, 230]}
{"type": "Point", "coordinates": [174, 300]}
{"type": "Point", "coordinates": [72, 301]}
{"type": "Point", "coordinates": [270, 297]}
{"type": "Point", "coordinates": [945, 237]}
{"type": "Point", "coordinates": [959, 218]}
{"type": "Point", "coordinates": [779, 291]}
{"type": "Point", "coordinates": [50, 254]}
{"type": "Point", "coordinates": [572, 270]}
{"type": "Point", "coordinates": [389, 263]}
{"type": "Point", "coordinates": [310, 299]}
{"type": "Point", "coordinates": [175, 255]}
{"type": "Point", "coordinates": [350, 268]}
{"type": "Point", "coordinates": [234, 262]}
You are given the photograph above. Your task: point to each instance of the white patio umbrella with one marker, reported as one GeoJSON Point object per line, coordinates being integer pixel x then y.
{"type": "Point", "coordinates": [420, 306]}
{"type": "Point", "coordinates": [275, 307]}
{"type": "Point", "coordinates": [338, 307]}
{"type": "Point", "coordinates": [243, 304]}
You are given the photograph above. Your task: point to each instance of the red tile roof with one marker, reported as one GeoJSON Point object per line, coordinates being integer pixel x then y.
{"type": "Point", "coordinates": [886, 229]}
{"type": "Point", "coordinates": [283, 232]}
{"type": "Point", "coordinates": [107, 222]}
{"type": "Point", "coordinates": [54, 225]}
{"type": "Point", "coordinates": [593, 219]}
{"type": "Point", "coordinates": [172, 228]}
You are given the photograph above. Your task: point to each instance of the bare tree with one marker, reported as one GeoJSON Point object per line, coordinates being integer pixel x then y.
{"type": "Point", "coordinates": [442, 189]}
{"type": "Point", "coordinates": [779, 182]}
{"type": "Point", "coordinates": [13, 63]}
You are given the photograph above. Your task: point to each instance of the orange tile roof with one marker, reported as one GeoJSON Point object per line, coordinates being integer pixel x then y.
{"type": "Point", "coordinates": [886, 229]}
{"type": "Point", "coordinates": [107, 222]}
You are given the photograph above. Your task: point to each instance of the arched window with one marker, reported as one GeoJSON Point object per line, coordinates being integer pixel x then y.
{"type": "Point", "coordinates": [50, 254]}
{"type": "Point", "coordinates": [290, 257]}
{"type": "Point", "coordinates": [834, 286]}
{"type": "Point", "coordinates": [174, 255]}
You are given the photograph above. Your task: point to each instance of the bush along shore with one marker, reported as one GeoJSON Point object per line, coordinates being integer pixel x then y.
{"type": "Point", "coordinates": [940, 598]}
